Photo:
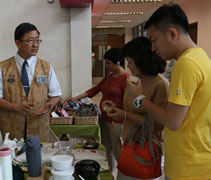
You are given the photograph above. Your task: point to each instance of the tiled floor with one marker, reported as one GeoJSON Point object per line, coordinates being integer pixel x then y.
{"type": "Point", "coordinates": [96, 100]}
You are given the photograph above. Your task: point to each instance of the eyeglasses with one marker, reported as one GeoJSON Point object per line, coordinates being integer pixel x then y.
{"type": "Point", "coordinates": [32, 41]}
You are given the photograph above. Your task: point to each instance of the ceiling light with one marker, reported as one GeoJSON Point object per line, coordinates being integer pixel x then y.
{"type": "Point", "coordinates": [134, 1]}
{"type": "Point", "coordinates": [113, 21]}
{"type": "Point", "coordinates": [123, 13]}
{"type": "Point", "coordinates": [118, 26]}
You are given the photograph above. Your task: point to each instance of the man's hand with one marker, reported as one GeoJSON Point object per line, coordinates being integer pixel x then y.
{"type": "Point", "coordinates": [43, 110]}
{"type": "Point", "coordinates": [23, 108]}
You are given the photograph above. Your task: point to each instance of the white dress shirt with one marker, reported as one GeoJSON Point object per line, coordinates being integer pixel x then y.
{"type": "Point", "coordinates": [53, 83]}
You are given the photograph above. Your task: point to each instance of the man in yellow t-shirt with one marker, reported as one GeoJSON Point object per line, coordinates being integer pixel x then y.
{"type": "Point", "coordinates": [188, 150]}
{"type": "Point", "coordinates": [187, 118]}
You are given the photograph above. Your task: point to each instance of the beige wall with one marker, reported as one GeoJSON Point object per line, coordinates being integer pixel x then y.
{"type": "Point", "coordinates": [200, 11]}
{"type": "Point", "coordinates": [54, 23]}
{"type": "Point", "coordinates": [80, 38]}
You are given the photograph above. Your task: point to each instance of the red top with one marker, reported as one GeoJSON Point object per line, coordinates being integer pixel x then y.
{"type": "Point", "coordinates": [112, 88]}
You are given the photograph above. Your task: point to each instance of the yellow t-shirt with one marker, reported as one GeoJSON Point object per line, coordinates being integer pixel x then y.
{"type": "Point", "coordinates": [188, 150]}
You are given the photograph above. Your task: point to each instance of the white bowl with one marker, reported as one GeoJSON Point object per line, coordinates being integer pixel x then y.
{"type": "Point", "coordinates": [51, 178]}
{"type": "Point", "coordinates": [63, 175]}
{"type": "Point", "coordinates": [61, 162]}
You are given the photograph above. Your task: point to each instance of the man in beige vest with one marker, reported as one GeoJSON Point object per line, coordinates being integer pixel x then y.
{"type": "Point", "coordinates": [28, 88]}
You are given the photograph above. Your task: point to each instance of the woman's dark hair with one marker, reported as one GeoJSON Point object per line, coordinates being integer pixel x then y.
{"type": "Point", "coordinates": [168, 15]}
{"type": "Point", "coordinates": [114, 55]}
{"type": "Point", "coordinates": [24, 28]}
{"type": "Point", "coordinates": [147, 61]}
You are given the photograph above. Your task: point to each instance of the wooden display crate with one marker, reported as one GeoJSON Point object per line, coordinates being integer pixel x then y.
{"type": "Point", "coordinates": [61, 120]}
{"type": "Point", "coordinates": [91, 119]}
{"type": "Point", "coordinates": [86, 120]}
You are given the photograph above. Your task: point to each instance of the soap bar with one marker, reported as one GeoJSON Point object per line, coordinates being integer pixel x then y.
{"type": "Point", "coordinates": [133, 79]}
{"type": "Point", "coordinates": [107, 108]}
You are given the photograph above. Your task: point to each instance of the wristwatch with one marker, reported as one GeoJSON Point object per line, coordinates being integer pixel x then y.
{"type": "Point", "coordinates": [138, 101]}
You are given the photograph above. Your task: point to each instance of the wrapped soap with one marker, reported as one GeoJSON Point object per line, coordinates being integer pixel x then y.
{"type": "Point", "coordinates": [107, 108]}
{"type": "Point", "coordinates": [133, 79]}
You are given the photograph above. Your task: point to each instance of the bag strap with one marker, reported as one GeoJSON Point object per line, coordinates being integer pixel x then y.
{"type": "Point", "coordinates": [131, 134]}
{"type": "Point", "coordinates": [147, 130]}
{"type": "Point", "coordinates": [151, 129]}
{"type": "Point", "coordinates": [151, 146]}
{"type": "Point", "coordinates": [136, 129]}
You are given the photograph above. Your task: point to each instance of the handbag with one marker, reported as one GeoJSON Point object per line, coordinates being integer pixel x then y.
{"type": "Point", "coordinates": [141, 158]}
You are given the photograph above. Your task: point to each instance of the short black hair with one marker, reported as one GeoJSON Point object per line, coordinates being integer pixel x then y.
{"type": "Point", "coordinates": [166, 15]}
{"type": "Point", "coordinates": [147, 61]}
{"type": "Point", "coordinates": [114, 55]}
{"type": "Point", "coordinates": [24, 28]}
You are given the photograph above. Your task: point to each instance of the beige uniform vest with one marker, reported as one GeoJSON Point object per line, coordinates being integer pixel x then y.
{"type": "Point", "coordinates": [13, 92]}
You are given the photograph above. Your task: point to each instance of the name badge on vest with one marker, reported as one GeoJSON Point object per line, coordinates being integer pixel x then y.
{"type": "Point", "coordinates": [41, 79]}
{"type": "Point", "coordinates": [11, 79]}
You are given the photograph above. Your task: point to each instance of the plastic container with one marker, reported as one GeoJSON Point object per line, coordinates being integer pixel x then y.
{"type": "Point", "coordinates": [33, 156]}
{"type": "Point", "coordinates": [61, 162]}
{"type": "Point", "coordinates": [63, 175]}
{"type": "Point", "coordinates": [87, 168]}
{"type": "Point", "coordinates": [51, 178]}
{"type": "Point", "coordinates": [1, 174]}
{"type": "Point", "coordinates": [6, 163]}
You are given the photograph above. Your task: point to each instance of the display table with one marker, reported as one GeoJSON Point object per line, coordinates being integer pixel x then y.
{"type": "Point", "coordinates": [105, 175]}
{"type": "Point", "coordinates": [102, 176]}
{"type": "Point", "coordinates": [78, 130]}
